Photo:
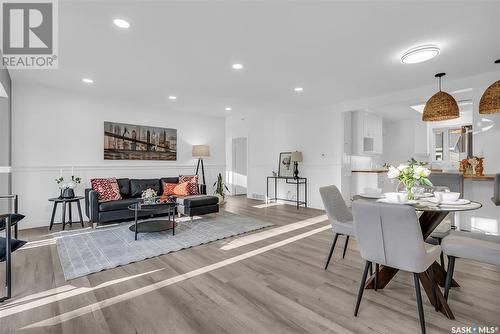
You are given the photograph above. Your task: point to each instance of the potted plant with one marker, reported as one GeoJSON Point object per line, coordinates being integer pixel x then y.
{"type": "Point", "coordinates": [410, 175]}
{"type": "Point", "coordinates": [67, 188]}
{"type": "Point", "coordinates": [220, 189]}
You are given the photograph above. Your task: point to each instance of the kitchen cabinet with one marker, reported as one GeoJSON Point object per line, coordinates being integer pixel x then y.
{"type": "Point", "coordinates": [367, 138]}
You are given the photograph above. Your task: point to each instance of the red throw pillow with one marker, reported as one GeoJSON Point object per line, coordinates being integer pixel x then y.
{"type": "Point", "coordinates": [193, 183]}
{"type": "Point", "coordinates": [168, 188]}
{"type": "Point", "coordinates": [181, 189]}
{"type": "Point", "coordinates": [108, 189]}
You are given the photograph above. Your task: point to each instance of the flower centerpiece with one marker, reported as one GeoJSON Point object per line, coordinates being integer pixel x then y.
{"type": "Point", "coordinates": [149, 196]}
{"type": "Point", "coordinates": [411, 174]}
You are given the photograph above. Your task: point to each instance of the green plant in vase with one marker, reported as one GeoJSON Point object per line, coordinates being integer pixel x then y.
{"type": "Point", "coordinates": [410, 175]}
{"type": "Point", "coordinates": [220, 189]}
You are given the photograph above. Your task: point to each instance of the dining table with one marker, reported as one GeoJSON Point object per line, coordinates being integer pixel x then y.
{"type": "Point", "coordinates": [431, 214]}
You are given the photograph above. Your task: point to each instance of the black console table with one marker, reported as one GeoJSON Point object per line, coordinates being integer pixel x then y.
{"type": "Point", "coordinates": [289, 180]}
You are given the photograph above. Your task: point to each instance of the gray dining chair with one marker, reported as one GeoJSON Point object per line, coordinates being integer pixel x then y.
{"type": "Point", "coordinates": [339, 216]}
{"type": "Point", "coordinates": [390, 235]}
{"type": "Point", "coordinates": [446, 182]}
{"type": "Point", "coordinates": [472, 246]}
{"type": "Point", "coordinates": [496, 190]}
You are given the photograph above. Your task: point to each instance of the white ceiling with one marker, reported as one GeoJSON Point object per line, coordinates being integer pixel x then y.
{"type": "Point", "coordinates": [337, 51]}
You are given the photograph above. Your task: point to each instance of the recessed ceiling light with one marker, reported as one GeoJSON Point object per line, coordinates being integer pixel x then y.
{"type": "Point", "coordinates": [420, 54]}
{"type": "Point", "coordinates": [228, 109]}
{"type": "Point", "coordinates": [121, 23]}
{"type": "Point", "coordinates": [172, 97]}
{"type": "Point", "coordinates": [87, 81]}
{"type": "Point", "coordinates": [298, 89]}
{"type": "Point", "coordinates": [237, 66]}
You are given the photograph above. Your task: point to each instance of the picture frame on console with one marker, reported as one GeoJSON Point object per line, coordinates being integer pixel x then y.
{"type": "Point", "coordinates": [285, 167]}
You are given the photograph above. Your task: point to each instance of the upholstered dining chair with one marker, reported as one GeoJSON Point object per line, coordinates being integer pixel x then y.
{"type": "Point", "coordinates": [390, 235]}
{"type": "Point", "coordinates": [7, 246]}
{"type": "Point", "coordinates": [472, 246]}
{"type": "Point", "coordinates": [496, 190]}
{"type": "Point", "coordinates": [339, 216]}
{"type": "Point", "coordinates": [446, 182]}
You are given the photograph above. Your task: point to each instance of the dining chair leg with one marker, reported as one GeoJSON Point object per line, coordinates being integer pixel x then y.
{"type": "Point", "coordinates": [430, 272]}
{"type": "Point", "coordinates": [441, 256]}
{"type": "Point", "coordinates": [345, 246]}
{"type": "Point", "coordinates": [362, 287]}
{"type": "Point", "coordinates": [331, 250]}
{"type": "Point", "coordinates": [419, 302]}
{"type": "Point", "coordinates": [371, 270]}
{"type": "Point", "coordinates": [376, 276]}
{"type": "Point", "coordinates": [449, 276]}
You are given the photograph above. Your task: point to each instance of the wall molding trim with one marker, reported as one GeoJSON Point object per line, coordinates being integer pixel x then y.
{"type": "Point", "coordinates": [66, 169]}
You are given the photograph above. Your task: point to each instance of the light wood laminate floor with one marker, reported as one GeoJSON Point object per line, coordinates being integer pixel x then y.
{"type": "Point", "coordinates": [273, 285]}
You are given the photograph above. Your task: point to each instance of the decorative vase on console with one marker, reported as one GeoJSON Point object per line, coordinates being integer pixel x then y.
{"type": "Point", "coordinates": [411, 176]}
{"type": "Point", "coordinates": [480, 166]}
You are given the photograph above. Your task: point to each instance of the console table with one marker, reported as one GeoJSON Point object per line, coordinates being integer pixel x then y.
{"type": "Point", "coordinates": [288, 180]}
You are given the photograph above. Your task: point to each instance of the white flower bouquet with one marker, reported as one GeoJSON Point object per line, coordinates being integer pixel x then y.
{"type": "Point", "coordinates": [411, 174]}
{"type": "Point", "coordinates": [149, 196]}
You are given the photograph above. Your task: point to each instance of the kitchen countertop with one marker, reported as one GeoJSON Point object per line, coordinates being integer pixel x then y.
{"type": "Point", "coordinates": [486, 177]}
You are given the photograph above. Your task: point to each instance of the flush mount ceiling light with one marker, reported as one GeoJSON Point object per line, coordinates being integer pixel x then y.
{"type": "Point", "coordinates": [121, 23]}
{"type": "Point", "coordinates": [171, 97]}
{"type": "Point", "coordinates": [490, 101]}
{"type": "Point", "coordinates": [228, 109]}
{"type": "Point", "coordinates": [441, 106]}
{"type": "Point", "coordinates": [237, 66]}
{"type": "Point", "coordinates": [298, 89]}
{"type": "Point", "coordinates": [420, 54]}
{"type": "Point", "coordinates": [87, 81]}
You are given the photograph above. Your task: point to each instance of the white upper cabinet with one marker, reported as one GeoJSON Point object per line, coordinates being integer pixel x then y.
{"type": "Point", "coordinates": [367, 136]}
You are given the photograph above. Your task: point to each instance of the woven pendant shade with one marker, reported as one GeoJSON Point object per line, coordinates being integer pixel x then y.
{"type": "Point", "coordinates": [490, 101]}
{"type": "Point", "coordinates": [441, 106]}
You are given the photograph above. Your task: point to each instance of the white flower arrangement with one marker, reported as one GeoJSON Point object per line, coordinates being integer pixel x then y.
{"type": "Point", "coordinates": [410, 174]}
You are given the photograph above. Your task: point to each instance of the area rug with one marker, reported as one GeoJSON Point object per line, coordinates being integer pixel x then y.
{"type": "Point", "coordinates": [88, 251]}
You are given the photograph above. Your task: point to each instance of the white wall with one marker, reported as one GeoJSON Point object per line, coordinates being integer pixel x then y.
{"type": "Point", "coordinates": [318, 135]}
{"type": "Point", "coordinates": [55, 129]}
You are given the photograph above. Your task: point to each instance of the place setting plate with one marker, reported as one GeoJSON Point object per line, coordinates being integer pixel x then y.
{"type": "Point", "coordinates": [387, 201]}
{"type": "Point", "coordinates": [460, 201]}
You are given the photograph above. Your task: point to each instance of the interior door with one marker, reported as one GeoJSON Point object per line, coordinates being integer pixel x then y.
{"type": "Point", "coordinates": [239, 183]}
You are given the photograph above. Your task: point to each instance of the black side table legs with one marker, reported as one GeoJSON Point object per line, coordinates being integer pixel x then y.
{"type": "Point", "coordinates": [66, 202]}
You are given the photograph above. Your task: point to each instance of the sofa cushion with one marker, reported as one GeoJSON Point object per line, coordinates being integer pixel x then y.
{"type": "Point", "coordinates": [192, 183]}
{"type": "Point", "coordinates": [107, 188]}
{"type": "Point", "coordinates": [124, 185]}
{"type": "Point", "coordinates": [197, 200]}
{"type": "Point", "coordinates": [121, 204]}
{"type": "Point", "coordinates": [168, 188]}
{"type": "Point", "coordinates": [137, 186]}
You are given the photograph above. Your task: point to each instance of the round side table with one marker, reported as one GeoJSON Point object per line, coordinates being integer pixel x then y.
{"type": "Point", "coordinates": [66, 202]}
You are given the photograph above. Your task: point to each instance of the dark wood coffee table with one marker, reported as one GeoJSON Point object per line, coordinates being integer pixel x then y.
{"type": "Point", "coordinates": [155, 225]}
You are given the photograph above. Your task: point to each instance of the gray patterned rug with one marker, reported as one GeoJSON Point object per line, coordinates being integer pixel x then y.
{"type": "Point", "coordinates": [86, 251]}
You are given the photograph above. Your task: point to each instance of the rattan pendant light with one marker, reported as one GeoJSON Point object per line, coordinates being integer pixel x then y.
{"type": "Point", "coordinates": [490, 101]}
{"type": "Point", "coordinates": [441, 106]}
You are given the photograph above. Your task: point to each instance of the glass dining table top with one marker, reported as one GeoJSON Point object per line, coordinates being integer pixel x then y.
{"type": "Point", "coordinates": [424, 204]}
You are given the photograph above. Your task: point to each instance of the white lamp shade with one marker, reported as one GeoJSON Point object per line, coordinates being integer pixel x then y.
{"type": "Point", "coordinates": [201, 151]}
{"type": "Point", "coordinates": [296, 156]}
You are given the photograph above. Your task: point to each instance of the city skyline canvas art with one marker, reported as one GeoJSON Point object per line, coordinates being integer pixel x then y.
{"type": "Point", "coordinates": [139, 142]}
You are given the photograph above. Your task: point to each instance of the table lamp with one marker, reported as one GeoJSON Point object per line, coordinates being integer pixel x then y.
{"type": "Point", "coordinates": [296, 158]}
{"type": "Point", "coordinates": [200, 151]}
